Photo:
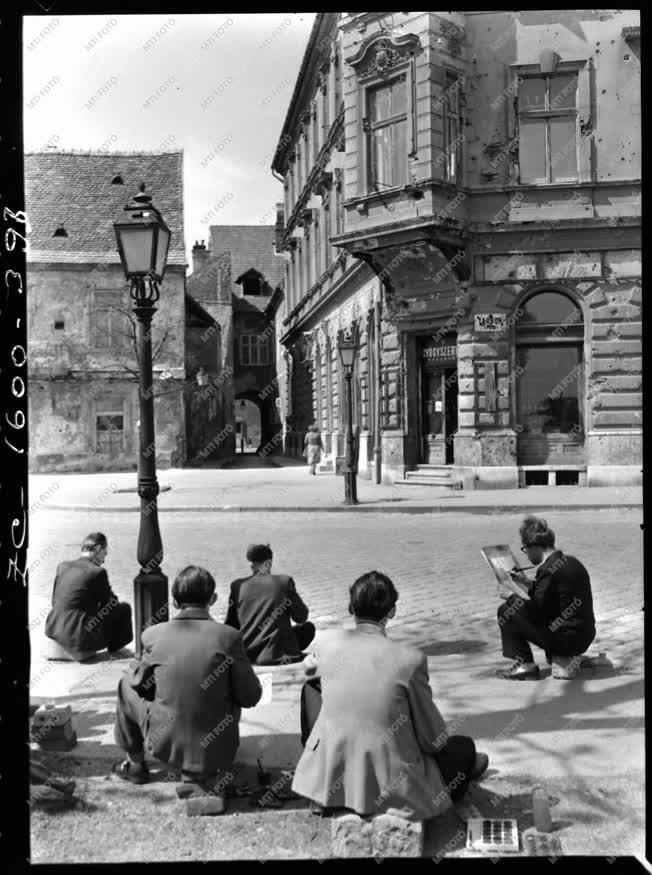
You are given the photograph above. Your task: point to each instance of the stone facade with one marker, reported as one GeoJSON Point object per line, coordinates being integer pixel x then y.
{"type": "Point", "coordinates": [501, 221]}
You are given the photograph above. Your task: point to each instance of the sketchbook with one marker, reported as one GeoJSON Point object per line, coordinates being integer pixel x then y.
{"type": "Point", "coordinates": [501, 560]}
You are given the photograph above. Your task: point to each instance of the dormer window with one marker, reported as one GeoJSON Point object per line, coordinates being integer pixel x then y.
{"type": "Point", "coordinates": [60, 232]}
{"type": "Point", "coordinates": [117, 180]}
{"type": "Point", "coordinates": [252, 282]}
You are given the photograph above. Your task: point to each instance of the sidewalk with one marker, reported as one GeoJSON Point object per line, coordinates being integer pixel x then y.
{"type": "Point", "coordinates": [290, 488]}
{"type": "Point", "coordinates": [583, 739]}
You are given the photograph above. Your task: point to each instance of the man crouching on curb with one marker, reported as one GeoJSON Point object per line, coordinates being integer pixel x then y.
{"type": "Point", "coordinates": [181, 701]}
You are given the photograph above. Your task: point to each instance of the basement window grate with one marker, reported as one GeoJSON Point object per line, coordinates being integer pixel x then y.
{"type": "Point", "coordinates": [568, 478]}
{"type": "Point", "coordinates": [536, 478]}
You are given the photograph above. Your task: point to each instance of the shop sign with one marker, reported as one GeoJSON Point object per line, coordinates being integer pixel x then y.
{"type": "Point", "coordinates": [439, 352]}
{"type": "Point", "coordinates": [490, 322]}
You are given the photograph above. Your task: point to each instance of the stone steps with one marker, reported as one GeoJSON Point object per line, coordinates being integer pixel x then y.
{"type": "Point", "coordinates": [431, 475]}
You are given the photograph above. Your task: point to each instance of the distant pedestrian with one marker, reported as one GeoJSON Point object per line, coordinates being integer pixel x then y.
{"type": "Point", "coordinates": [313, 448]}
{"type": "Point", "coordinates": [557, 616]}
{"type": "Point", "coordinates": [262, 607]}
{"type": "Point", "coordinates": [86, 615]}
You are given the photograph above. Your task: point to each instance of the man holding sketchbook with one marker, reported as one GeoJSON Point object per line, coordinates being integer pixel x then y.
{"type": "Point", "coordinates": [553, 611]}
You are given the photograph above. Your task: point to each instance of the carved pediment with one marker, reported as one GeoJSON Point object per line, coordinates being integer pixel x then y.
{"type": "Point", "coordinates": [381, 54]}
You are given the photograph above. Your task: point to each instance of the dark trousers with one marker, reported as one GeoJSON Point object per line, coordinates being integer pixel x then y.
{"type": "Point", "coordinates": [519, 629]}
{"type": "Point", "coordinates": [304, 633]}
{"type": "Point", "coordinates": [130, 719]}
{"type": "Point", "coordinates": [117, 628]}
{"type": "Point", "coordinates": [455, 759]}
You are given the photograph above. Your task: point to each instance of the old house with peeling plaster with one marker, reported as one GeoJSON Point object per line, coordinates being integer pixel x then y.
{"type": "Point", "coordinates": [462, 192]}
{"type": "Point", "coordinates": [83, 370]}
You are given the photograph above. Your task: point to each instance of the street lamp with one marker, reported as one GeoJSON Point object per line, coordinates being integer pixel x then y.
{"type": "Point", "coordinates": [143, 242]}
{"type": "Point", "coordinates": [347, 357]}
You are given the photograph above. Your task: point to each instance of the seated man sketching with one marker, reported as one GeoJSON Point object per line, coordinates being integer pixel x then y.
{"type": "Point", "coordinates": [373, 738]}
{"type": "Point", "coordinates": [86, 616]}
{"type": "Point", "coordinates": [556, 613]}
{"type": "Point", "coordinates": [261, 607]}
{"type": "Point", "coordinates": [181, 703]}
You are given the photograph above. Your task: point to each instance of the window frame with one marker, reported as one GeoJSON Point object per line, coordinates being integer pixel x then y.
{"type": "Point", "coordinates": [369, 128]}
{"type": "Point", "coordinates": [571, 68]}
{"type": "Point", "coordinates": [456, 178]}
{"type": "Point", "coordinates": [116, 341]}
{"type": "Point", "coordinates": [541, 335]}
{"type": "Point", "coordinates": [122, 432]}
{"type": "Point", "coordinates": [258, 348]}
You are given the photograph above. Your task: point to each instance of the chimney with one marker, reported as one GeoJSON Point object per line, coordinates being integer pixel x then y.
{"type": "Point", "coordinates": [199, 256]}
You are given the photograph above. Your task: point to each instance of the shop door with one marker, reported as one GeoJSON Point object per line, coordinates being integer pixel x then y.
{"type": "Point", "coordinates": [439, 415]}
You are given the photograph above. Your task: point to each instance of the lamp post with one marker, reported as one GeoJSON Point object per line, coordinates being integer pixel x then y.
{"type": "Point", "coordinates": [347, 358]}
{"type": "Point", "coordinates": [143, 242]}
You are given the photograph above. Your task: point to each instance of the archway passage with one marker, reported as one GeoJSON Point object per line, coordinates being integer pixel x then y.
{"type": "Point", "coordinates": [248, 427]}
{"type": "Point", "coordinates": [549, 372]}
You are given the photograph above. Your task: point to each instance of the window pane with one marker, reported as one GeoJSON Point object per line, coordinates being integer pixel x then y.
{"type": "Point", "coordinates": [380, 103]}
{"type": "Point", "coordinates": [563, 92]}
{"type": "Point", "coordinates": [399, 152]}
{"type": "Point", "coordinates": [548, 389]}
{"type": "Point", "coordinates": [387, 101]}
{"type": "Point", "coordinates": [399, 96]}
{"type": "Point", "coordinates": [563, 148]}
{"type": "Point", "coordinates": [532, 94]}
{"type": "Point", "coordinates": [382, 156]}
{"type": "Point", "coordinates": [550, 308]}
{"type": "Point", "coordinates": [532, 150]}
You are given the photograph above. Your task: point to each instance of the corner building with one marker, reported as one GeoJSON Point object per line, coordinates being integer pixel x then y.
{"type": "Point", "coordinates": [462, 191]}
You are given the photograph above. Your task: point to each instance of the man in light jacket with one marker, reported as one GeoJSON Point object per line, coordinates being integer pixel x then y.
{"type": "Point", "coordinates": [374, 740]}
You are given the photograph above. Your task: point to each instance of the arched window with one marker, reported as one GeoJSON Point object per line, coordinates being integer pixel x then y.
{"type": "Point", "coordinates": [549, 373]}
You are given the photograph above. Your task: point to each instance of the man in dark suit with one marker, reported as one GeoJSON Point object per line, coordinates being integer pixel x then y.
{"type": "Point", "coordinates": [557, 613]}
{"type": "Point", "coordinates": [262, 607]}
{"type": "Point", "coordinates": [86, 615]}
{"type": "Point", "coordinates": [377, 741]}
{"type": "Point", "coordinates": [182, 701]}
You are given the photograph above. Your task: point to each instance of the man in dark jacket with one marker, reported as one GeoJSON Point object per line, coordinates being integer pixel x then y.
{"type": "Point", "coordinates": [262, 606]}
{"type": "Point", "coordinates": [182, 700]}
{"type": "Point", "coordinates": [557, 614]}
{"type": "Point", "coordinates": [86, 615]}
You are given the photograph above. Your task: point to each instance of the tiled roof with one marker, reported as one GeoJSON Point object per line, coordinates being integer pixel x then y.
{"type": "Point", "coordinates": [250, 246]}
{"type": "Point", "coordinates": [74, 189]}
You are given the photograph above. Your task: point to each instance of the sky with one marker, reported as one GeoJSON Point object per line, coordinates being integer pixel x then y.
{"type": "Point", "coordinates": [216, 86]}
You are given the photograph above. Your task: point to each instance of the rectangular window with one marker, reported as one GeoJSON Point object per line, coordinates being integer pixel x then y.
{"type": "Point", "coordinates": [387, 134]}
{"type": "Point", "coordinates": [254, 350]}
{"type": "Point", "coordinates": [453, 129]}
{"type": "Point", "coordinates": [111, 327]}
{"type": "Point", "coordinates": [109, 432]}
{"type": "Point", "coordinates": [318, 242]}
{"type": "Point", "coordinates": [547, 115]}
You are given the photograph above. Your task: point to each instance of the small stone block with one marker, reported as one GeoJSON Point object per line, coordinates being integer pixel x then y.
{"type": "Point", "coordinates": [206, 806]}
{"type": "Point", "coordinates": [395, 837]}
{"type": "Point", "coordinates": [351, 836]}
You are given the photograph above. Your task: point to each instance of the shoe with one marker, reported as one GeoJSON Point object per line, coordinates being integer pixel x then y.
{"type": "Point", "coordinates": [129, 772]}
{"type": "Point", "coordinates": [516, 673]}
{"type": "Point", "coordinates": [565, 668]}
{"type": "Point", "coordinates": [481, 766]}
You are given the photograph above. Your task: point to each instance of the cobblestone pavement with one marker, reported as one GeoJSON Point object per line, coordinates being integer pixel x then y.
{"type": "Point", "coordinates": [447, 596]}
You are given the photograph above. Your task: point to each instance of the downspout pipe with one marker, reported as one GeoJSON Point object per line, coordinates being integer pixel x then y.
{"type": "Point", "coordinates": [379, 383]}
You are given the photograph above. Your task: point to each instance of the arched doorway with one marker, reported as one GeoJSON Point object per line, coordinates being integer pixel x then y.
{"type": "Point", "coordinates": [248, 426]}
{"type": "Point", "coordinates": [549, 376]}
